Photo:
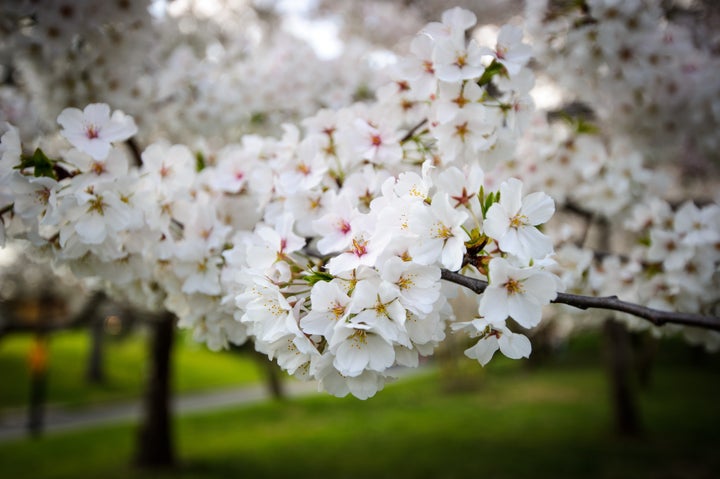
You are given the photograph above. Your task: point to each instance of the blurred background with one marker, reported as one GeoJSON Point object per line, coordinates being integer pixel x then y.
{"type": "Point", "coordinates": [594, 400]}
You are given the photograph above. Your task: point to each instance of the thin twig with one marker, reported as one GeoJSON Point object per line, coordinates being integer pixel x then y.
{"type": "Point", "coordinates": [412, 131]}
{"type": "Point", "coordinates": [655, 316]}
{"type": "Point", "coordinates": [7, 209]}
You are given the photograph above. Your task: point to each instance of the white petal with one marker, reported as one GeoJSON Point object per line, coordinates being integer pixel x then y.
{"type": "Point", "coordinates": [538, 208]}
{"type": "Point", "coordinates": [514, 346]}
{"type": "Point", "coordinates": [483, 351]}
{"type": "Point", "coordinates": [494, 304]}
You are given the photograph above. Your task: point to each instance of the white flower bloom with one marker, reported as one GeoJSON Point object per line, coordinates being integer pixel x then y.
{"type": "Point", "coordinates": [511, 221]}
{"type": "Point", "coordinates": [667, 247]}
{"type": "Point", "coordinates": [416, 286]}
{"type": "Point", "coordinates": [335, 226]}
{"type": "Point", "coordinates": [363, 249]}
{"type": "Point", "coordinates": [498, 336]}
{"type": "Point", "coordinates": [455, 21]}
{"type": "Point", "coordinates": [455, 62]}
{"type": "Point", "coordinates": [93, 129]}
{"type": "Point", "coordinates": [440, 234]}
{"type": "Point", "coordinates": [10, 151]}
{"type": "Point", "coordinates": [510, 50]}
{"type": "Point", "coordinates": [419, 69]}
{"type": "Point", "coordinates": [698, 226]}
{"type": "Point", "coordinates": [378, 308]}
{"type": "Point", "coordinates": [356, 349]}
{"type": "Point", "coordinates": [329, 306]}
{"type": "Point", "coordinates": [519, 293]}
{"type": "Point", "coordinates": [378, 144]}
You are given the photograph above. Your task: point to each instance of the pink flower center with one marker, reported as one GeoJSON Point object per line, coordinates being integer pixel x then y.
{"type": "Point", "coordinates": [92, 132]}
{"type": "Point", "coordinates": [359, 247]}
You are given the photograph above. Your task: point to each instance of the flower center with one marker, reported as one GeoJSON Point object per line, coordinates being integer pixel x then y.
{"type": "Point", "coordinates": [92, 132]}
{"type": "Point", "coordinates": [514, 286]}
{"type": "Point", "coordinates": [518, 220]}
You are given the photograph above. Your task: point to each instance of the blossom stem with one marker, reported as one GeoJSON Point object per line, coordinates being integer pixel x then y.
{"type": "Point", "coordinates": [613, 303]}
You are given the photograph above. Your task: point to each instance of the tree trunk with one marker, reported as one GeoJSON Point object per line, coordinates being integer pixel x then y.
{"type": "Point", "coordinates": [96, 372]}
{"type": "Point", "coordinates": [622, 387]}
{"type": "Point", "coordinates": [274, 380]}
{"type": "Point", "coordinates": [646, 347]}
{"type": "Point", "coordinates": [155, 441]}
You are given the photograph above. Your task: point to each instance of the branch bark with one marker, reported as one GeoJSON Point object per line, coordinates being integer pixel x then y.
{"type": "Point", "coordinates": [612, 303]}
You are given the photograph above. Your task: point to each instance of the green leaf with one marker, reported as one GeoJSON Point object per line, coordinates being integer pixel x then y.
{"type": "Point", "coordinates": [316, 276]}
{"type": "Point", "coordinates": [493, 69]}
{"type": "Point", "coordinates": [199, 161]}
{"type": "Point", "coordinates": [43, 166]}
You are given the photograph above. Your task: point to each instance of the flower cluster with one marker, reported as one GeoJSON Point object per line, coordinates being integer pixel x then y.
{"type": "Point", "coordinates": [326, 245]}
{"type": "Point", "coordinates": [646, 75]}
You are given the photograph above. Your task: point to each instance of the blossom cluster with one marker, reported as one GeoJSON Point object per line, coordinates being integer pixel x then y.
{"type": "Point", "coordinates": [326, 245]}
{"type": "Point", "coordinates": [195, 71]}
{"type": "Point", "coordinates": [647, 75]}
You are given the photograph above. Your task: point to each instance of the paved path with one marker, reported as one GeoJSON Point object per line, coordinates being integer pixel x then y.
{"type": "Point", "coordinates": [14, 425]}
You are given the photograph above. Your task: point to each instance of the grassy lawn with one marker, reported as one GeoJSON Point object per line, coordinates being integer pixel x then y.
{"type": "Point", "coordinates": [196, 369]}
{"type": "Point", "coordinates": [549, 421]}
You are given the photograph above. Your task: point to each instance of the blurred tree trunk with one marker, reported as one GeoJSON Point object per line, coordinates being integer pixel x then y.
{"type": "Point", "coordinates": [622, 386]}
{"type": "Point", "coordinates": [95, 368]}
{"type": "Point", "coordinates": [646, 347]}
{"type": "Point", "coordinates": [274, 380]}
{"type": "Point", "coordinates": [155, 446]}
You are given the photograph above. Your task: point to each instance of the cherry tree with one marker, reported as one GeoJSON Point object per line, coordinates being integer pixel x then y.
{"type": "Point", "coordinates": [340, 245]}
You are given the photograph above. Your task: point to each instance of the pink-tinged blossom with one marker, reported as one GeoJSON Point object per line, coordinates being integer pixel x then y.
{"type": "Point", "coordinates": [93, 129]}
{"type": "Point", "coordinates": [335, 226]}
{"type": "Point", "coordinates": [510, 51]}
{"type": "Point", "coordinates": [273, 244]}
{"type": "Point", "coordinates": [511, 221]}
{"type": "Point", "coordinates": [419, 69]}
{"type": "Point", "coordinates": [363, 249]}
{"type": "Point", "coordinates": [462, 187]}
{"type": "Point", "coordinates": [376, 143]}
{"type": "Point", "coordinates": [34, 197]}
{"type": "Point", "coordinates": [519, 293]}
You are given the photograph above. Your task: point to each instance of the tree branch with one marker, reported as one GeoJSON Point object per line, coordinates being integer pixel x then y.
{"type": "Point", "coordinates": [655, 316]}
{"type": "Point", "coordinates": [412, 131]}
{"type": "Point", "coordinates": [135, 151]}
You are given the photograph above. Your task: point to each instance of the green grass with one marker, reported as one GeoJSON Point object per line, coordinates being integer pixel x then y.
{"type": "Point", "coordinates": [195, 369]}
{"type": "Point", "coordinates": [550, 421]}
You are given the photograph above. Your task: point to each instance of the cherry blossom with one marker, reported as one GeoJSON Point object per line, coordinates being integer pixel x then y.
{"type": "Point", "coordinates": [518, 293]}
{"type": "Point", "coordinates": [93, 129]}
{"type": "Point", "coordinates": [512, 220]}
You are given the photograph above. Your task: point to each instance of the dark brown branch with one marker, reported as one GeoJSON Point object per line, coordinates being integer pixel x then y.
{"type": "Point", "coordinates": [135, 150]}
{"type": "Point", "coordinates": [655, 316]}
{"type": "Point", "coordinates": [7, 209]}
{"type": "Point", "coordinates": [412, 131]}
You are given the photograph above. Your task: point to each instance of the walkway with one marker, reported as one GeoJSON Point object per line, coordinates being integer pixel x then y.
{"type": "Point", "coordinates": [14, 426]}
